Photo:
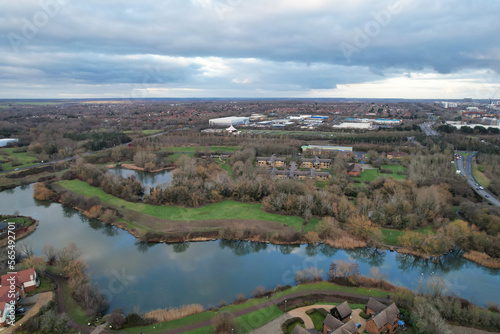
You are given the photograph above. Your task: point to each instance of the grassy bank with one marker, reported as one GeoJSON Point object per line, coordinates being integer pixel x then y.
{"type": "Point", "coordinates": [256, 319]}
{"type": "Point", "coordinates": [391, 236]}
{"type": "Point", "coordinates": [479, 176]}
{"type": "Point", "coordinates": [23, 158]}
{"type": "Point", "coordinates": [226, 210]}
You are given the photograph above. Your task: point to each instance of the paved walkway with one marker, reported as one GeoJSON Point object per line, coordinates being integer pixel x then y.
{"type": "Point", "coordinates": [274, 326]}
{"type": "Point", "coordinates": [43, 299]}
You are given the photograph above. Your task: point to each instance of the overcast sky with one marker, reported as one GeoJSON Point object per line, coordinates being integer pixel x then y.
{"type": "Point", "coordinates": [250, 48]}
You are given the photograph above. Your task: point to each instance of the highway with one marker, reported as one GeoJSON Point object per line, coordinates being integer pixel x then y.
{"type": "Point", "coordinates": [427, 128]}
{"type": "Point", "coordinates": [467, 173]}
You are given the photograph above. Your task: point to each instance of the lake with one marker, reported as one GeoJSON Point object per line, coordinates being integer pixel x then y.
{"type": "Point", "coordinates": [148, 180]}
{"type": "Point", "coordinates": [140, 276]}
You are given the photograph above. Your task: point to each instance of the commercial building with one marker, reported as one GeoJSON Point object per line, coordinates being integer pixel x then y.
{"type": "Point", "coordinates": [352, 125]}
{"type": "Point", "coordinates": [228, 121]}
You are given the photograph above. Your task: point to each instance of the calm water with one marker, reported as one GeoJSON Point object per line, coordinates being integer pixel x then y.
{"type": "Point", "coordinates": [148, 180]}
{"type": "Point", "coordinates": [139, 276]}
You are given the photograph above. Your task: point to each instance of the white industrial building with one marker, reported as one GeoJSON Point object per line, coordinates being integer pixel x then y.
{"type": "Point", "coordinates": [353, 125]}
{"type": "Point", "coordinates": [228, 121]}
{"type": "Point", "coordinates": [459, 125]}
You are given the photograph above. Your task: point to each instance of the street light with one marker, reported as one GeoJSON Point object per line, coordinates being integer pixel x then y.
{"type": "Point", "coordinates": [285, 305]}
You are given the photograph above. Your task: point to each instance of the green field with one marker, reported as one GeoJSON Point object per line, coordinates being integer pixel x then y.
{"type": "Point", "coordinates": [395, 169]}
{"type": "Point", "coordinates": [144, 132]}
{"type": "Point", "coordinates": [223, 210]}
{"type": "Point", "coordinates": [19, 220]}
{"type": "Point", "coordinates": [391, 236]}
{"type": "Point", "coordinates": [24, 158]}
{"type": "Point", "coordinates": [174, 157]}
{"type": "Point", "coordinates": [368, 175]}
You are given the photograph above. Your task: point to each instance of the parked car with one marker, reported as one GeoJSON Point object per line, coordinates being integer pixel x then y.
{"type": "Point", "coordinates": [20, 310]}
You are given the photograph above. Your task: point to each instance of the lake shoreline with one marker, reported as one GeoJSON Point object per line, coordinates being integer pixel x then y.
{"type": "Point", "coordinates": [215, 234]}
{"type": "Point", "coordinates": [20, 234]}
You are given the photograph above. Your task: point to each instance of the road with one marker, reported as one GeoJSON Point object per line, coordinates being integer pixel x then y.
{"type": "Point", "coordinates": [467, 173]}
{"type": "Point", "coordinates": [427, 128]}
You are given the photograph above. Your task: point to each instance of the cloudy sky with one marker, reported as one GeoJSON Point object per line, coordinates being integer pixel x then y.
{"type": "Point", "coordinates": [250, 48]}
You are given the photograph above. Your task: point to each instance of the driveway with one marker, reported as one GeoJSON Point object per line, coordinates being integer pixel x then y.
{"type": "Point", "coordinates": [273, 327]}
{"type": "Point", "coordinates": [301, 313]}
{"type": "Point", "coordinates": [42, 300]}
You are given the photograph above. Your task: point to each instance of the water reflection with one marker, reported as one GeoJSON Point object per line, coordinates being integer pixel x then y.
{"type": "Point", "coordinates": [170, 275]}
{"type": "Point", "coordinates": [180, 247]}
{"type": "Point", "coordinates": [373, 256]}
{"type": "Point", "coordinates": [148, 180]}
{"type": "Point", "coordinates": [287, 249]}
{"type": "Point", "coordinates": [241, 247]}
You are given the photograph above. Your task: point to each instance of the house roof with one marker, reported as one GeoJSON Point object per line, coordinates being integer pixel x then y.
{"type": "Point", "coordinates": [316, 160]}
{"type": "Point", "coordinates": [300, 330]}
{"type": "Point", "coordinates": [344, 309]}
{"type": "Point", "coordinates": [5, 280]}
{"type": "Point", "coordinates": [4, 294]}
{"type": "Point", "coordinates": [375, 305]}
{"type": "Point", "coordinates": [387, 316]}
{"type": "Point", "coordinates": [354, 168]}
{"type": "Point", "coordinates": [24, 275]}
{"type": "Point", "coordinates": [3, 225]}
{"type": "Point", "coordinates": [347, 328]}
{"type": "Point", "coordinates": [332, 322]}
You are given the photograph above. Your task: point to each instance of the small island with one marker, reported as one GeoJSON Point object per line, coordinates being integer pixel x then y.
{"type": "Point", "coordinates": [22, 227]}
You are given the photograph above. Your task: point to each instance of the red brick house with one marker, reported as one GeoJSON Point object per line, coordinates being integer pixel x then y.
{"type": "Point", "coordinates": [6, 303]}
{"type": "Point", "coordinates": [28, 279]}
{"type": "Point", "coordinates": [384, 319]}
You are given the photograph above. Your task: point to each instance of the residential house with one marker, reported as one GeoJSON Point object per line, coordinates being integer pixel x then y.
{"type": "Point", "coordinates": [354, 170]}
{"type": "Point", "coordinates": [271, 161]}
{"type": "Point", "coordinates": [384, 318]}
{"type": "Point", "coordinates": [20, 291]}
{"type": "Point", "coordinates": [294, 173]}
{"type": "Point", "coordinates": [6, 304]}
{"type": "Point", "coordinates": [27, 278]}
{"type": "Point", "coordinates": [335, 326]}
{"type": "Point", "coordinates": [316, 163]}
{"type": "Point", "coordinates": [300, 330]}
{"type": "Point", "coordinates": [4, 227]}
{"type": "Point", "coordinates": [342, 312]}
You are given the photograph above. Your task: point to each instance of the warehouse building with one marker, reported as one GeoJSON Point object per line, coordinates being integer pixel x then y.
{"type": "Point", "coordinates": [228, 121]}
{"type": "Point", "coordinates": [352, 125]}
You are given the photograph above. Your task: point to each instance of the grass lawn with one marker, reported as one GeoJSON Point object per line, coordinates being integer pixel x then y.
{"type": "Point", "coordinates": [20, 221]}
{"type": "Point", "coordinates": [312, 225]}
{"type": "Point", "coordinates": [45, 285]}
{"type": "Point", "coordinates": [226, 210]}
{"type": "Point", "coordinates": [480, 177]}
{"type": "Point", "coordinates": [291, 327]}
{"type": "Point", "coordinates": [75, 312]}
{"type": "Point", "coordinates": [24, 158]}
{"type": "Point", "coordinates": [367, 175]}
{"type": "Point", "coordinates": [317, 320]}
{"type": "Point", "coordinates": [391, 236]}
{"type": "Point", "coordinates": [395, 169]}
{"type": "Point", "coordinates": [144, 132]}
{"type": "Point", "coordinates": [174, 157]}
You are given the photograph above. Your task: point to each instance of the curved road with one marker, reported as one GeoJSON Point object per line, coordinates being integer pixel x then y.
{"type": "Point", "coordinates": [467, 173]}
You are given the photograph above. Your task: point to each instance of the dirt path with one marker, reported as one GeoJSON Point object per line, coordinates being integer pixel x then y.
{"type": "Point", "coordinates": [43, 299]}
{"type": "Point", "coordinates": [270, 303]}
{"type": "Point", "coordinates": [61, 307]}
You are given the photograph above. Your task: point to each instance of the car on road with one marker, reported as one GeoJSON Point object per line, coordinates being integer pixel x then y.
{"type": "Point", "coordinates": [481, 188]}
{"type": "Point", "coordinates": [487, 196]}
